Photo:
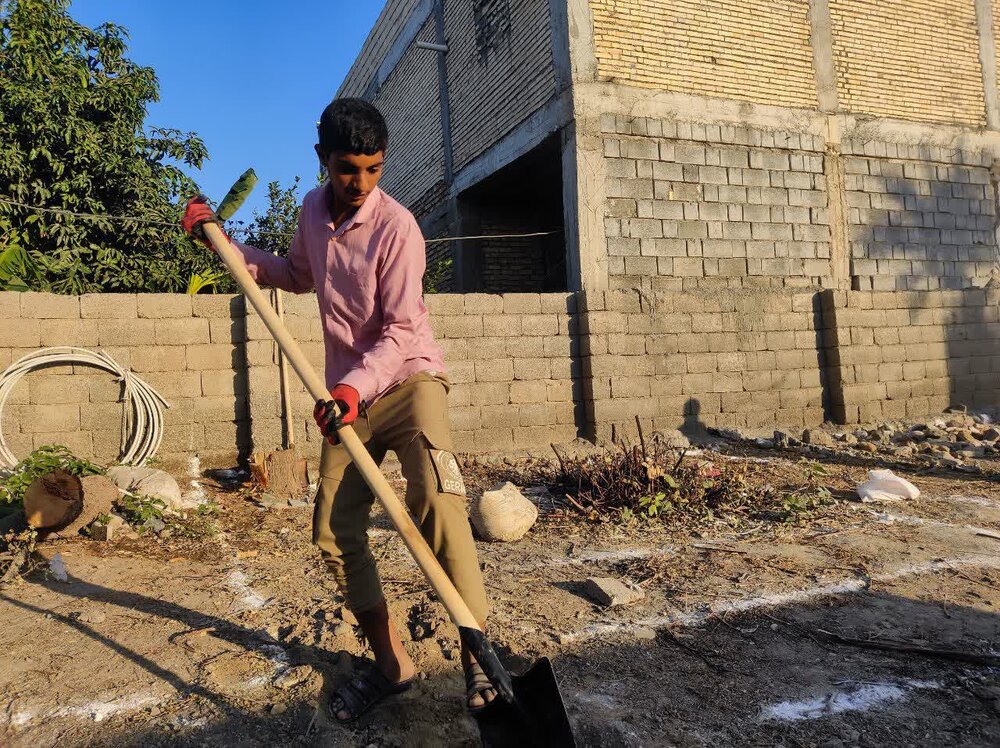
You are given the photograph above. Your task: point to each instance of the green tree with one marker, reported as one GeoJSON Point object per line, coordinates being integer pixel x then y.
{"type": "Point", "coordinates": [274, 229]}
{"type": "Point", "coordinates": [73, 137]}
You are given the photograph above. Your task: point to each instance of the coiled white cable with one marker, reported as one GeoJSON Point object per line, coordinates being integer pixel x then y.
{"type": "Point", "coordinates": [142, 416]}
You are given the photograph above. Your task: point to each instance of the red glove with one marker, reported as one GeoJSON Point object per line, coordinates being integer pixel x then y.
{"type": "Point", "coordinates": [343, 398]}
{"type": "Point", "coordinates": [199, 212]}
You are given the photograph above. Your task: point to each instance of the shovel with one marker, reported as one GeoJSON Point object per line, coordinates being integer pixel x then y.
{"type": "Point", "coordinates": [528, 709]}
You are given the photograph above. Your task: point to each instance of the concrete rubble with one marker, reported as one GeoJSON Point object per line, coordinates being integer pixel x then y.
{"type": "Point", "coordinates": [611, 593]}
{"type": "Point", "coordinates": [954, 440]}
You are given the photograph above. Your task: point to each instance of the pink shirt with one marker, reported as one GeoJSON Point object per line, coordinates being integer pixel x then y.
{"type": "Point", "coordinates": [368, 275]}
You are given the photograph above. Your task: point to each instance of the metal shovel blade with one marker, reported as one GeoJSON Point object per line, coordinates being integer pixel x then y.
{"type": "Point", "coordinates": [528, 709]}
{"type": "Point", "coordinates": [537, 716]}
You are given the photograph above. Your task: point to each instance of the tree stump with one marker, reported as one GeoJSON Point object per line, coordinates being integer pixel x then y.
{"type": "Point", "coordinates": [282, 473]}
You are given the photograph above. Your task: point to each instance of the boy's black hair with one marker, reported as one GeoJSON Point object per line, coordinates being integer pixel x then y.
{"type": "Point", "coordinates": [352, 126]}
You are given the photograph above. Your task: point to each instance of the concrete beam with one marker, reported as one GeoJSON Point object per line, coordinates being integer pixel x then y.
{"type": "Point", "coordinates": [824, 69]}
{"type": "Point", "coordinates": [988, 62]}
{"type": "Point", "coordinates": [580, 30]}
{"type": "Point", "coordinates": [553, 116]}
{"type": "Point", "coordinates": [594, 99]}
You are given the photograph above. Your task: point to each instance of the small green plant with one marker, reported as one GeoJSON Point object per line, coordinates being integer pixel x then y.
{"type": "Point", "coordinates": [42, 461]}
{"type": "Point", "coordinates": [199, 282]}
{"type": "Point", "coordinates": [799, 504]}
{"type": "Point", "coordinates": [138, 511]}
{"type": "Point", "coordinates": [438, 276]}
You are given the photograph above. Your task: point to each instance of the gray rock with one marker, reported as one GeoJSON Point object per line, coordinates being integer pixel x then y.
{"type": "Point", "coordinates": [108, 531]}
{"type": "Point", "coordinates": [611, 593]}
{"type": "Point", "coordinates": [991, 434]}
{"type": "Point", "coordinates": [150, 482]}
{"type": "Point", "coordinates": [817, 438]}
{"type": "Point", "coordinates": [503, 514]}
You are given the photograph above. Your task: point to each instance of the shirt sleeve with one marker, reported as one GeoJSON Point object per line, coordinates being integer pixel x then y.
{"type": "Point", "coordinates": [291, 273]}
{"type": "Point", "coordinates": [400, 289]}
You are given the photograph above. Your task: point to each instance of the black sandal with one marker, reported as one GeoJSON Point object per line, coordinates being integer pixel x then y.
{"type": "Point", "coordinates": [476, 683]}
{"type": "Point", "coordinates": [367, 687]}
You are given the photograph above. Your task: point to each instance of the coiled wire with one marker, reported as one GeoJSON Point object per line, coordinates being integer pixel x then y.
{"type": "Point", "coordinates": [142, 413]}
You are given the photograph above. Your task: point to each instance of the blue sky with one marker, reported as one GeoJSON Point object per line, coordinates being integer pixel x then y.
{"type": "Point", "coordinates": [250, 77]}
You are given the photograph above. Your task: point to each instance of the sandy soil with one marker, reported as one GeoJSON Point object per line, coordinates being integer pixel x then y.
{"type": "Point", "coordinates": [237, 639]}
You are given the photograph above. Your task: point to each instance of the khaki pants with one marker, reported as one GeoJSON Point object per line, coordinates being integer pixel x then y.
{"type": "Point", "coordinates": [412, 420]}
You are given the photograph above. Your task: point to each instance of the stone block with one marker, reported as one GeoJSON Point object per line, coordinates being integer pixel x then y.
{"type": "Point", "coordinates": [501, 370]}
{"type": "Point", "coordinates": [218, 306]}
{"type": "Point", "coordinates": [481, 303]}
{"type": "Point", "coordinates": [212, 357]}
{"type": "Point", "coordinates": [20, 333]}
{"type": "Point", "coordinates": [490, 393]}
{"type": "Point", "coordinates": [528, 391]}
{"type": "Point", "coordinates": [164, 305]}
{"type": "Point", "coordinates": [467, 326]}
{"type": "Point", "coordinates": [48, 389]}
{"type": "Point", "coordinates": [10, 304]}
{"type": "Point", "coordinates": [522, 303]}
{"type": "Point", "coordinates": [149, 358]}
{"type": "Point", "coordinates": [109, 306]}
{"type": "Point", "coordinates": [126, 332]}
{"type": "Point", "coordinates": [49, 306]}
{"type": "Point", "coordinates": [444, 304]}
{"type": "Point", "coordinates": [68, 332]}
{"type": "Point", "coordinates": [182, 331]}
{"type": "Point", "coordinates": [539, 324]}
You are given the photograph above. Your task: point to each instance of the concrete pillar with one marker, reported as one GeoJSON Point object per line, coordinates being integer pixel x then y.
{"type": "Point", "coordinates": [988, 62]}
{"type": "Point", "coordinates": [824, 69]}
{"type": "Point", "coordinates": [836, 190]}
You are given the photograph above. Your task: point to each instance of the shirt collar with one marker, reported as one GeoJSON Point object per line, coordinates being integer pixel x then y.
{"type": "Point", "coordinates": [364, 214]}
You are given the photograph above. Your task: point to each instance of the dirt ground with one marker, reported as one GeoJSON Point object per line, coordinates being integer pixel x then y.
{"type": "Point", "coordinates": [236, 639]}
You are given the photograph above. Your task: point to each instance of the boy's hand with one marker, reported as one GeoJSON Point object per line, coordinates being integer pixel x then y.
{"type": "Point", "coordinates": [347, 400]}
{"type": "Point", "coordinates": [199, 212]}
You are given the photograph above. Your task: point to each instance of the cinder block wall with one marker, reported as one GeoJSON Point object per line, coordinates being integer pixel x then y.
{"type": "Point", "coordinates": [527, 369]}
{"type": "Point", "coordinates": [692, 360]}
{"type": "Point", "coordinates": [190, 349]}
{"type": "Point", "coordinates": [900, 355]}
{"type": "Point", "coordinates": [512, 360]}
{"type": "Point", "coordinates": [706, 206]}
{"type": "Point", "coordinates": [921, 217]}
{"type": "Point", "coordinates": [693, 206]}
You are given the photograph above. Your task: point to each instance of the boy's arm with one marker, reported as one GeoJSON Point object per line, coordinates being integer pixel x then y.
{"type": "Point", "coordinates": [291, 273]}
{"type": "Point", "coordinates": [400, 284]}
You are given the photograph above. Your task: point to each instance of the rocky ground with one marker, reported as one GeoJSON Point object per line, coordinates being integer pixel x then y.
{"type": "Point", "coordinates": [837, 624]}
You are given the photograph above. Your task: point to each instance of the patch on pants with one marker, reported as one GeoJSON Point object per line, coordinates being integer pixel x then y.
{"type": "Point", "coordinates": [449, 476]}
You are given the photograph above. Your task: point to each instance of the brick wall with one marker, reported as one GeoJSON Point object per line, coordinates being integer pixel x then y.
{"type": "Point", "coordinates": [409, 101]}
{"type": "Point", "coordinates": [693, 206]}
{"type": "Point", "coordinates": [896, 355]}
{"type": "Point", "coordinates": [500, 69]}
{"type": "Point", "coordinates": [921, 217]}
{"type": "Point", "coordinates": [694, 359]}
{"type": "Point", "coordinates": [912, 59]}
{"type": "Point", "coordinates": [527, 369]}
{"type": "Point", "coordinates": [511, 359]}
{"type": "Point", "coordinates": [756, 51]}
{"type": "Point", "coordinates": [190, 349]}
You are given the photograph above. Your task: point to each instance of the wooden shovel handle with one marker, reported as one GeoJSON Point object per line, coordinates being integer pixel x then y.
{"type": "Point", "coordinates": [421, 552]}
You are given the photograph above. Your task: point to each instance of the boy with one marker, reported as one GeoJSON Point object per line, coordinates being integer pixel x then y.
{"type": "Point", "coordinates": [364, 254]}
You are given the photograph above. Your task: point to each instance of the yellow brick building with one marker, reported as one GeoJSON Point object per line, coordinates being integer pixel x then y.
{"type": "Point", "coordinates": [689, 144]}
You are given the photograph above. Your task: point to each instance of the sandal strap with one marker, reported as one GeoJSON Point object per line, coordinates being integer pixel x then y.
{"type": "Point", "coordinates": [364, 689]}
{"type": "Point", "coordinates": [476, 680]}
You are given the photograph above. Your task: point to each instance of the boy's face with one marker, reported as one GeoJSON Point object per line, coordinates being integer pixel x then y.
{"type": "Point", "coordinates": [353, 176]}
